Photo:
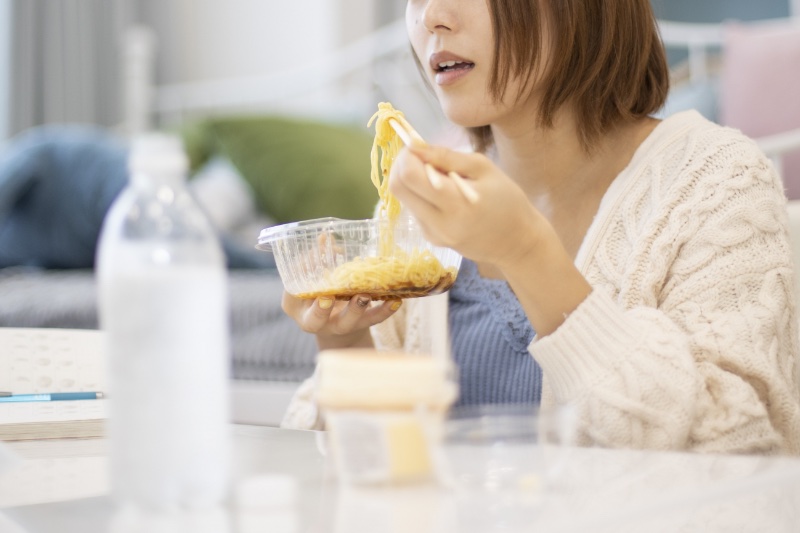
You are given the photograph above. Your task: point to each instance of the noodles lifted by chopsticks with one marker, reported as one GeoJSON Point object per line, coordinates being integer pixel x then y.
{"type": "Point", "coordinates": [385, 147]}
{"type": "Point", "coordinates": [394, 272]}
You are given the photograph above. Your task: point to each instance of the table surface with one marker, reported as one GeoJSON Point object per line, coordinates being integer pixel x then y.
{"type": "Point", "coordinates": [61, 486]}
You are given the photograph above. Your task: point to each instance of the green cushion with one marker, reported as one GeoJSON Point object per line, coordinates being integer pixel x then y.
{"type": "Point", "coordinates": [299, 169]}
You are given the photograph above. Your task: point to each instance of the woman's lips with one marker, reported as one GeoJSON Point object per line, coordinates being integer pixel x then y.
{"type": "Point", "coordinates": [448, 68]}
{"type": "Point", "coordinates": [452, 75]}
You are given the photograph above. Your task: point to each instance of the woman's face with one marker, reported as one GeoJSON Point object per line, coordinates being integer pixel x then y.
{"type": "Point", "coordinates": [454, 43]}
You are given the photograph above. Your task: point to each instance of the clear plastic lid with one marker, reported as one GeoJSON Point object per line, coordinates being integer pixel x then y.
{"type": "Point", "coordinates": [275, 233]}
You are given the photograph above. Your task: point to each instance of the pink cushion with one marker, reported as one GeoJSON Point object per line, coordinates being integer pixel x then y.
{"type": "Point", "coordinates": [760, 84]}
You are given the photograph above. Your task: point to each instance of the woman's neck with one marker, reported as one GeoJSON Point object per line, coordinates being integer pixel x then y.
{"type": "Point", "coordinates": [562, 179]}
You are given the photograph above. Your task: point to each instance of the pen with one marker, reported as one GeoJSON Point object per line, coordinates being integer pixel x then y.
{"type": "Point", "coordinates": [3, 393]}
{"type": "Point", "coordinates": [51, 397]}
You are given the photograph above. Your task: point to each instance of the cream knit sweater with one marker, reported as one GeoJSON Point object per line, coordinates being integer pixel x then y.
{"type": "Point", "coordinates": [689, 340]}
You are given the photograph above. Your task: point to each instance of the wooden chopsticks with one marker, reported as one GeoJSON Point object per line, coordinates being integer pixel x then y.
{"type": "Point", "coordinates": [410, 136]}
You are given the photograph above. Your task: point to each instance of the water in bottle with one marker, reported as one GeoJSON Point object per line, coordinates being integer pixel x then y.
{"type": "Point", "coordinates": [163, 306]}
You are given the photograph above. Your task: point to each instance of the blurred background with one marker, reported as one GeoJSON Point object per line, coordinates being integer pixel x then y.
{"type": "Point", "coordinates": [88, 60]}
{"type": "Point", "coordinates": [271, 99]}
{"type": "Point", "coordinates": [131, 65]}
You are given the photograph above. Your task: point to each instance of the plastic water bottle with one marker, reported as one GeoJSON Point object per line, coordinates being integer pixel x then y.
{"type": "Point", "coordinates": [163, 305]}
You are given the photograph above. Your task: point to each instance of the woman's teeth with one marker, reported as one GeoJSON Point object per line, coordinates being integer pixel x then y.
{"type": "Point", "coordinates": [445, 65]}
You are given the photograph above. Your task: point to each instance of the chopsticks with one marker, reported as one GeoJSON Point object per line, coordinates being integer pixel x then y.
{"type": "Point", "coordinates": [410, 136]}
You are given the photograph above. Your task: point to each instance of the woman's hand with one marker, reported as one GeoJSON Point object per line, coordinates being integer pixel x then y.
{"type": "Point", "coordinates": [339, 324]}
{"type": "Point", "coordinates": [499, 228]}
{"type": "Point", "coordinates": [502, 228]}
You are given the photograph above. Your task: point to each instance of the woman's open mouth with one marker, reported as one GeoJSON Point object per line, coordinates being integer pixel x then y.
{"type": "Point", "coordinates": [447, 72]}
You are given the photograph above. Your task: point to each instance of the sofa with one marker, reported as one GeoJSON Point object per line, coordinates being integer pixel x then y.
{"type": "Point", "coordinates": [247, 172]}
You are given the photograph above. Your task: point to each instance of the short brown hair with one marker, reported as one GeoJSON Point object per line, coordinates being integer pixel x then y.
{"type": "Point", "coordinates": [607, 60]}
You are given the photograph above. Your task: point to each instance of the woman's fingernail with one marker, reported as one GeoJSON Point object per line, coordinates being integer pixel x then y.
{"type": "Point", "coordinates": [325, 303]}
{"type": "Point", "coordinates": [395, 305]}
{"type": "Point", "coordinates": [362, 301]}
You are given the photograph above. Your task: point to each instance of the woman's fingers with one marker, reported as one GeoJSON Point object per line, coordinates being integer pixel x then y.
{"type": "Point", "coordinates": [409, 173]}
{"type": "Point", "coordinates": [331, 317]}
{"type": "Point", "coordinates": [360, 314]}
{"type": "Point", "coordinates": [349, 318]}
{"type": "Point", "coordinates": [433, 179]}
{"type": "Point", "coordinates": [378, 313]}
{"type": "Point", "coordinates": [411, 182]}
{"type": "Point", "coordinates": [310, 315]}
{"type": "Point", "coordinates": [317, 315]}
{"type": "Point", "coordinates": [469, 166]}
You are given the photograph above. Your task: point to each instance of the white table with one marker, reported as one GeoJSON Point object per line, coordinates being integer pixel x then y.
{"type": "Point", "coordinates": [597, 491]}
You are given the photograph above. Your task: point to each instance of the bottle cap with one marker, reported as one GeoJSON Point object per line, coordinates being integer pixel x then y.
{"type": "Point", "coordinates": [159, 156]}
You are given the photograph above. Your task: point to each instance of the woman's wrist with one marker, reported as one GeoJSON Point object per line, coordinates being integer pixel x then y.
{"type": "Point", "coordinates": [547, 283]}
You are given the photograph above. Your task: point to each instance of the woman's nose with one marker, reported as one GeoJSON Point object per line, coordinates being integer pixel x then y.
{"type": "Point", "coordinates": [440, 15]}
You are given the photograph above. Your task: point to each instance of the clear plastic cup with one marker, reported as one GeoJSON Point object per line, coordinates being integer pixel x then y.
{"type": "Point", "coordinates": [505, 447]}
{"type": "Point", "coordinates": [384, 412]}
{"type": "Point", "coordinates": [385, 447]}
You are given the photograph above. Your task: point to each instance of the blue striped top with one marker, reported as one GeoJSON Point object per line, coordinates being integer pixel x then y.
{"type": "Point", "coordinates": [490, 334]}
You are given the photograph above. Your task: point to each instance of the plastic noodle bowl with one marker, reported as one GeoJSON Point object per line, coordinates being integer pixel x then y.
{"type": "Point", "coordinates": [340, 258]}
{"type": "Point", "coordinates": [386, 257]}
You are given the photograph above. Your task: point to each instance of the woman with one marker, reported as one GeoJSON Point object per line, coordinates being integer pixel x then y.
{"type": "Point", "coordinates": [650, 258]}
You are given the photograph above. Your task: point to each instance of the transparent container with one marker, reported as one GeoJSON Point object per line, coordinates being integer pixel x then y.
{"type": "Point", "coordinates": [506, 448]}
{"type": "Point", "coordinates": [341, 258]}
{"type": "Point", "coordinates": [162, 288]}
{"type": "Point", "coordinates": [384, 413]}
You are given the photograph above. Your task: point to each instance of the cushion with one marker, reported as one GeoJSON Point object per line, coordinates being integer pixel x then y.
{"type": "Point", "coordinates": [298, 169]}
{"type": "Point", "coordinates": [223, 194]}
{"type": "Point", "coordinates": [56, 184]}
{"type": "Point", "coordinates": [760, 85]}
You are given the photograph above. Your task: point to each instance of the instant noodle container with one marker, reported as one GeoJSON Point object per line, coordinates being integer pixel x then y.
{"type": "Point", "coordinates": [384, 413]}
{"type": "Point", "coordinates": [340, 258]}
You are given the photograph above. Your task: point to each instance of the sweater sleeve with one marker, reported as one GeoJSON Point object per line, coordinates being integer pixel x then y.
{"type": "Point", "coordinates": [698, 351]}
{"type": "Point", "coordinates": [302, 411]}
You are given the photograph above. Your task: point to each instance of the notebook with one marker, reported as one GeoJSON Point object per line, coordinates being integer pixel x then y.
{"type": "Point", "coordinates": [35, 360]}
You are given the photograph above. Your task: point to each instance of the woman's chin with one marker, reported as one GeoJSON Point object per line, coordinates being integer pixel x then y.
{"type": "Point", "coordinates": [463, 117]}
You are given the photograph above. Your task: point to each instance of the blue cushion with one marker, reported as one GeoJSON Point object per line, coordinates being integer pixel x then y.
{"type": "Point", "coordinates": [56, 184]}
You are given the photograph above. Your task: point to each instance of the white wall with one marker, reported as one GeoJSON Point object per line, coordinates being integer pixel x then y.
{"type": "Point", "coordinates": [5, 67]}
{"type": "Point", "coordinates": [215, 40]}
{"type": "Point", "coordinates": [250, 37]}
{"type": "Point", "coordinates": [210, 40]}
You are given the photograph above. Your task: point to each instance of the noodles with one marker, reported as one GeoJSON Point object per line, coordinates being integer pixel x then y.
{"type": "Point", "coordinates": [394, 272]}
{"type": "Point", "coordinates": [385, 147]}
{"type": "Point", "coordinates": [400, 276]}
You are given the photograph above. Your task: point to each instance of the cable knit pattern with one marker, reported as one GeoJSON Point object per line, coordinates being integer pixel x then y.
{"type": "Point", "coordinates": [689, 340]}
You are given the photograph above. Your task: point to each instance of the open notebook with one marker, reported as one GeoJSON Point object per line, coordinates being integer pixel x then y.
{"type": "Point", "coordinates": [51, 360]}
